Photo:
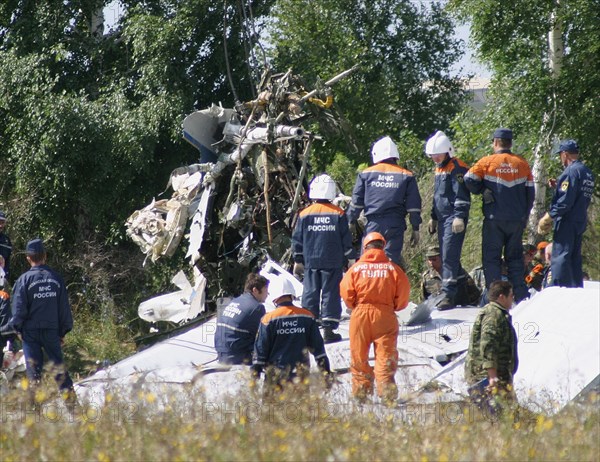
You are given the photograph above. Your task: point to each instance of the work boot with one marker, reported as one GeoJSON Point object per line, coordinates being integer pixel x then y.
{"type": "Point", "coordinates": [445, 304]}
{"type": "Point", "coordinates": [329, 336]}
{"type": "Point", "coordinates": [389, 395]}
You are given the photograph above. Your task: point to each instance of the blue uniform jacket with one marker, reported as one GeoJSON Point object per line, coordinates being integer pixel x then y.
{"type": "Point", "coordinates": [508, 177]}
{"type": "Point", "coordinates": [386, 190]}
{"type": "Point", "coordinates": [40, 301]}
{"type": "Point", "coordinates": [321, 239]}
{"type": "Point", "coordinates": [285, 336]}
{"type": "Point", "coordinates": [5, 251]}
{"type": "Point", "coordinates": [237, 326]}
{"type": "Point", "coordinates": [574, 189]}
{"type": "Point", "coordinates": [451, 198]}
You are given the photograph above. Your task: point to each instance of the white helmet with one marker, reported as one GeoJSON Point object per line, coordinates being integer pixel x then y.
{"type": "Point", "coordinates": [439, 144]}
{"type": "Point", "coordinates": [383, 149]}
{"type": "Point", "coordinates": [280, 286]}
{"type": "Point", "coordinates": [322, 187]}
{"type": "Point", "coordinates": [2, 277]}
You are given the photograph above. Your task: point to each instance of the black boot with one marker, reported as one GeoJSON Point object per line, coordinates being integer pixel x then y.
{"type": "Point", "coordinates": [445, 304]}
{"type": "Point", "coordinates": [329, 336]}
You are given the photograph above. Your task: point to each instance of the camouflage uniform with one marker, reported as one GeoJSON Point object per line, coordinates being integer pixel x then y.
{"type": "Point", "coordinates": [431, 283]}
{"type": "Point", "coordinates": [493, 345]}
{"type": "Point", "coordinates": [467, 294]}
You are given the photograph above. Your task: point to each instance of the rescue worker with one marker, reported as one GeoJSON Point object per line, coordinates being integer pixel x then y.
{"type": "Point", "coordinates": [42, 316]}
{"type": "Point", "coordinates": [5, 246]}
{"type": "Point", "coordinates": [449, 213]}
{"type": "Point", "coordinates": [492, 353]}
{"type": "Point", "coordinates": [386, 193]}
{"type": "Point", "coordinates": [536, 269]}
{"type": "Point", "coordinates": [322, 246]}
{"type": "Point", "coordinates": [6, 333]}
{"type": "Point", "coordinates": [506, 184]}
{"type": "Point", "coordinates": [374, 288]}
{"type": "Point", "coordinates": [574, 189]}
{"type": "Point", "coordinates": [237, 323]}
{"type": "Point", "coordinates": [431, 282]}
{"type": "Point", "coordinates": [285, 337]}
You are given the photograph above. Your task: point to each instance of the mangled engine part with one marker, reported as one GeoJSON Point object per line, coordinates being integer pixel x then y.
{"type": "Point", "coordinates": [234, 133]}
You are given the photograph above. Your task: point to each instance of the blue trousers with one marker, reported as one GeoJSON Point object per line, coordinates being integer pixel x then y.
{"type": "Point", "coordinates": [394, 237]}
{"type": "Point", "coordinates": [321, 295]}
{"type": "Point", "coordinates": [35, 343]}
{"type": "Point", "coordinates": [504, 236]}
{"type": "Point", "coordinates": [451, 247]}
{"type": "Point", "coordinates": [567, 270]}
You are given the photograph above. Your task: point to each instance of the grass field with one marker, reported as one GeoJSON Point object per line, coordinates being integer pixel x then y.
{"type": "Point", "coordinates": [300, 425]}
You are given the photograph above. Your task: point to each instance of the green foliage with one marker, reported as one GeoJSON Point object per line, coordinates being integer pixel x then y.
{"type": "Point", "coordinates": [90, 125]}
{"type": "Point", "coordinates": [343, 172]}
{"type": "Point", "coordinates": [94, 340]}
{"type": "Point", "coordinates": [512, 37]}
{"type": "Point", "coordinates": [525, 95]}
{"type": "Point", "coordinates": [404, 53]}
{"type": "Point", "coordinates": [412, 154]}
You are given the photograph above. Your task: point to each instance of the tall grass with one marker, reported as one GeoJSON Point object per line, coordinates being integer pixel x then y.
{"type": "Point", "coordinates": [296, 425]}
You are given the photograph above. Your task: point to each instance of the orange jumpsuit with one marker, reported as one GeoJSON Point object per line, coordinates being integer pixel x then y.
{"type": "Point", "coordinates": [374, 288]}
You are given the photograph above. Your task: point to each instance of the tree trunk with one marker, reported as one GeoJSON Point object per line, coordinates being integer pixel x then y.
{"type": "Point", "coordinates": [555, 57]}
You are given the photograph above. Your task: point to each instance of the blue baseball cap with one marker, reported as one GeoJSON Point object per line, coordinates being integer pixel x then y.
{"type": "Point", "coordinates": [35, 246]}
{"type": "Point", "coordinates": [567, 145]}
{"type": "Point", "coordinates": [503, 133]}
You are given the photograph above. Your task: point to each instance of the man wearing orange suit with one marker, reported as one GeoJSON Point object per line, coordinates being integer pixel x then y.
{"type": "Point", "coordinates": [374, 288]}
{"type": "Point", "coordinates": [505, 183]}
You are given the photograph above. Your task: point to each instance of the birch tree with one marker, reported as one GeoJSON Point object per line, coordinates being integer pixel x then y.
{"type": "Point", "coordinates": [545, 60]}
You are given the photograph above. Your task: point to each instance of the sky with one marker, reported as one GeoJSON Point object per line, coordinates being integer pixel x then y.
{"type": "Point", "coordinates": [467, 65]}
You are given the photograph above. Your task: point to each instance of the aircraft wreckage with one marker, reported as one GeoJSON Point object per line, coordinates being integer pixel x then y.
{"type": "Point", "coordinates": [241, 200]}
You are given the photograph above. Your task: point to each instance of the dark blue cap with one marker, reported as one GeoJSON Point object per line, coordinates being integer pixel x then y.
{"type": "Point", "coordinates": [35, 246]}
{"type": "Point", "coordinates": [2, 215]}
{"type": "Point", "coordinates": [567, 145]}
{"type": "Point", "coordinates": [503, 133]}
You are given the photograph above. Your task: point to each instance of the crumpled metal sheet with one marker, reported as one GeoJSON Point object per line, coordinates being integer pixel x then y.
{"type": "Point", "coordinates": [180, 306]}
{"type": "Point", "coordinates": [158, 228]}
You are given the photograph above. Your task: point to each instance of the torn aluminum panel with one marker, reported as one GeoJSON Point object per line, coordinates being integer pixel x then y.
{"type": "Point", "coordinates": [177, 307]}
